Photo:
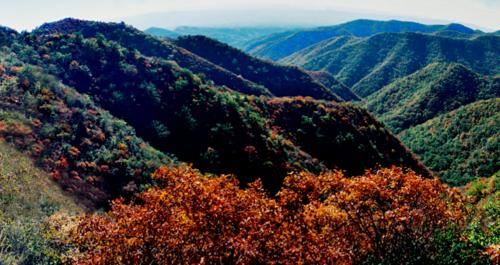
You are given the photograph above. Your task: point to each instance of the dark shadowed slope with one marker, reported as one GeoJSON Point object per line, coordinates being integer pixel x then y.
{"type": "Point", "coordinates": [434, 90]}
{"type": "Point", "coordinates": [368, 64]}
{"type": "Point", "coordinates": [280, 45]}
{"type": "Point", "coordinates": [336, 86]}
{"type": "Point", "coordinates": [280, 80]}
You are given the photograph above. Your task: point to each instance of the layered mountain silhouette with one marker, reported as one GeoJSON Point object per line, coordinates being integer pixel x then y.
{"type": "Point", "coordinates": [102, 117]}
{"type": "Point", "coordinates": [235, 36]}
{"type": "Point", "coordinates": [283, 44]}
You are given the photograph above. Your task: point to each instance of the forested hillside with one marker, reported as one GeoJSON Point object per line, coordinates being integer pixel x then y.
{"type": "Point", "coordinates": [131, 38]}
{"type": "Point", "coordinates": [368, 64]}
{"type": "Point", "coordinates": [460, 145]}
{"type": "Point", "coordinates": [335, 85]}
{"type": "Point", "coordinates": [434, 90]}
{"type": "Point", "coordinates": [280, 80]}
{"type": "Point", "coordinates": [217, 129]}
{"type": "Point", "coordinates": [405, 79]}
{"type": "Point", "coordinates": [91, 154]}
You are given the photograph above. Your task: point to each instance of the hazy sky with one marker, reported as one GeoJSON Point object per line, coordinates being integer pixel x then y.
{"type": "Point", "coordinates": [27, 14]}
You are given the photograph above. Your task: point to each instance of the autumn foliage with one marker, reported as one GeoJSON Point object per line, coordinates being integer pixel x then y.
{"type": "Point", "coordinates": [387, 215]}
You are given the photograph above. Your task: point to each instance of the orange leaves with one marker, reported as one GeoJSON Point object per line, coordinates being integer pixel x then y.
{"type": "Point", "coordinates": [56, 176]}
{"type": "Point", "coordinates": [391, 208]}
{"type": "Point", "coordinates": [74, 152]}
{"type": "Point", "coordinates": [62, 163]}
{"type": "Point", "coordinates": [321, 219]}
{"type": "Point", "coordinates": [123, 147]}
{"type": "Point", "coordinates": [493, 252]}
{"type": "Point", "coordinates": [37, 123]}
{"type": "Point", "coordinates": [16, 69]}
{"type": "Point", "coordinates": [250, 150]}
{"type": "Point", "coordinates": [14, 128]}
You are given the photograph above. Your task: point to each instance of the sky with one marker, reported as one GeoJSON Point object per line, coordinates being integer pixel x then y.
{"type": "Point", "coordinates": [28, 14]}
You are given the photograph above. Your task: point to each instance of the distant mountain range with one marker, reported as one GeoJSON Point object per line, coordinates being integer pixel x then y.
{"type": "Point", "coordinates": [404, 77]}
{"type": "Point", "coordinates": [235, 36]}
{"type": "Point", "coordinates": [161, 32]}
{"type": "Point", "coordinates": [280, 45]}
{"type": "Point", "coordinates": [279, 79]}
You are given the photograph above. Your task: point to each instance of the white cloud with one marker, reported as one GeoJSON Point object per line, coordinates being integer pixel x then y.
{"type": "Point", "coordinates": [26, 14]}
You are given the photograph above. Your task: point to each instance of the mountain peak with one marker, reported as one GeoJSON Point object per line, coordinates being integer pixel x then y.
{"type": "Point", "coordinates": [71, 25]}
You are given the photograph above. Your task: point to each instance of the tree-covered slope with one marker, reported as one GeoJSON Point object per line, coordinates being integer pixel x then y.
{"type": "Point", "coordinates": [148, 45]}
{"type": "Point", "coordinates": [216, 129]}
{"type": "Point", "coordinates": [280, 45]}
{"type": "Point", "coordinates": [462, 145]}
{"type": "Point", "coordinates": [368, 64]}
{"type": "Point", "coordinates": [131, 38]}
{"type": "Point", "coordinates": [280, 80]}
{"type": "Point", "coordinates": [6, 35]}
{"type": "Point", "coordinates": [90, 153]}
{"type": "Point", "coordinates": [323, 129]}
{"type": "Point", "coordinates": [434, 90]}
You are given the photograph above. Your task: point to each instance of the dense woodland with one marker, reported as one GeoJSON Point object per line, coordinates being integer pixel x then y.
{"type": "Point", "coordinates": [368, 64]}
{"type": "Point", "coordinates": [461, 144]}
{"type": "Point", "coordinates": [190, 151]}
{"type": "Point", "coordinates": [280, 80]}
{"type": "Point", "coordinates": [425, 94]}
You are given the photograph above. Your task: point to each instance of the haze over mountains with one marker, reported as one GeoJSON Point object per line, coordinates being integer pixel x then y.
{"type": "Point", "coordinates": [287, 117]}
{"type": "Point", "coordinates": [284, 44]}
{"type": "Point", "coordinates": [235, 36]}
{"type": "Point", "coordinates": [256, 18]}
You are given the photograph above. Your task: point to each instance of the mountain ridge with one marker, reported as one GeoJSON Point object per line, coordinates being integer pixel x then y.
{"type": "Point", "coordinates": [368, 64]}
{"type": "Point", "coordinates": [436, 89]}
{"type": "Point", "coordinates": [281, 80]}
{"type": "Point", "coordinates": [179, 114]}
{"type": "Point", "coordinates": [280, 45]}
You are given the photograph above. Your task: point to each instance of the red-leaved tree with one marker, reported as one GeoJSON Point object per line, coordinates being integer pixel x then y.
{"type": "Point", "coordinates": [190, 218]}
